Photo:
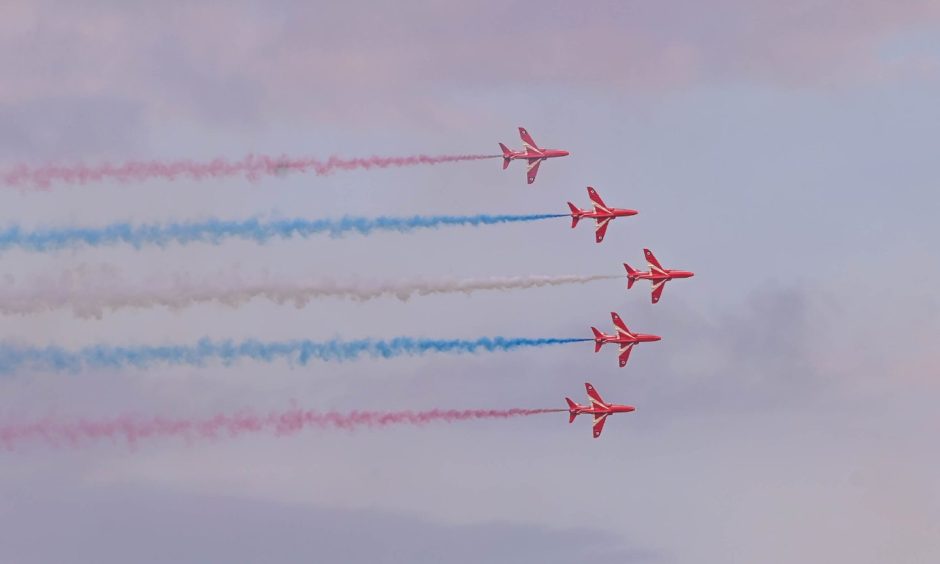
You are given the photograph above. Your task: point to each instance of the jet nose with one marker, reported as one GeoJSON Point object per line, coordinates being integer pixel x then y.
{"type": "Point", "coordinates": [565, 153]}
{"type": "Point", "coordinates": [655, 338]}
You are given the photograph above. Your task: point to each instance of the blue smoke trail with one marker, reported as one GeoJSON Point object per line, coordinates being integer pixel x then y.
{"type": "Point", "coordinates": [214, 230]}
{"type": "Point", "coordinates": [13, 357]}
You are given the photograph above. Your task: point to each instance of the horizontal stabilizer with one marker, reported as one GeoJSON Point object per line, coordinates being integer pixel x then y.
{"type": "Point", "coordinates": [572, 410]}
{"type": "Point", "coordinates": [631, 275]}
{"type": "Point", "coordinates": [575, 214]}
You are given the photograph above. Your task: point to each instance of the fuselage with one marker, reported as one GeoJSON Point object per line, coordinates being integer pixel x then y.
{"type": "Point", "coordinates": [541, 154]}
{"type": "Point", "coordinates": [609, 214]}
{"type": "Point", "coordinates": [624, 339]}
{"type": "Point", "coordinates": [667, 275]}
{"type": "Point", "coordinates": [598, 410]}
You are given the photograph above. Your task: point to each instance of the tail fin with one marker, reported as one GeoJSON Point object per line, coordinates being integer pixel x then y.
{"type": "Point", "coordinates": [597, 339]}
{"type": "Point", "coordinates": [631, 275]}
{"type": "Point", "coordinates": [575, 214]}
{"type": "Point", "coordinates": [507, 154]}
{"type": "Point", "coordinates": [572, 407]}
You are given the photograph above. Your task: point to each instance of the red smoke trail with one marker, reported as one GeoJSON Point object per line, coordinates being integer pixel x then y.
{"type": "Point", "coordinates": [133, 429]}
{"type": "Point", "coordinates": [251, 167]}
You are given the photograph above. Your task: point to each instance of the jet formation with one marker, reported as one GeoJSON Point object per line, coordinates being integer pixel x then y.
{"type": "Point", "coordinates": [602, 215]}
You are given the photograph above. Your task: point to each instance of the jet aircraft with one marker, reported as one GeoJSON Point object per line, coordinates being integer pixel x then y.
{"type": "Point", "coordinates": [598, 408]}
{"type": "Point", "coordinates": [602, 214]}
{"type": "Point", "coordinates": [623, 337]}
{"type": "Point", "coordinates": [531, 153]}
{"type": "Point", "coordinates": [657, 275]}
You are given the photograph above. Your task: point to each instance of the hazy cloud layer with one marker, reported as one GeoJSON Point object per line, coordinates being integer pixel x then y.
{"type": "Point", "coordinates": [118, 524]}
{"type": "Point", "coordinates": [236, 64]}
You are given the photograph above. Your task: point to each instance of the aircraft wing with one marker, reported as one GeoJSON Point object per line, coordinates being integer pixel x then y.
{"type": "Point", "coordinates": [658, 290]}
{"type": "Point", "coordinates": [652, 262]}
{"type": "Point", "coordinates": [601, 229]}
{"type": "Point", "coordinates": [625, 353]}
{"type": "Point", "coordinates": [619, 324]}
{"type": "Point", "coordinates": [594, 397]}
{"type": "Point", "coordinates": [533, 170]}
{"type": "Point", "coordinates": [527, 142]}
{"type": "Point", "coordinates": [599, 204]}
{"type": "Point", "coordinates": [599, 420]}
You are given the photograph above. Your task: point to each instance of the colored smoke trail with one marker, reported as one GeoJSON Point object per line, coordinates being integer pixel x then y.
{"type": "Point", "coordinates": [13, 357]}
{"type": "Point", "coordinates": [98, 296]}
{"type": "Point", "coordinates": [214, 230]}
{"type": "Point", "coordinates": [131, 429]}
{"type": "Point", "coordinates": [251, 167]}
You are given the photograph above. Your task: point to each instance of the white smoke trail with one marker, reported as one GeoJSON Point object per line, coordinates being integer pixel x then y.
{"type": "Point", "coordinates": [251, 167]}
{"type": "Point", "coordinates": [91, 293]}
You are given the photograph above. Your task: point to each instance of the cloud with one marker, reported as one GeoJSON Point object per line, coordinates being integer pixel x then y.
{"type": "Point", "coordinates": [237, 63]}
{"type": "Point", "coordinates": [55, 127]}
{"type": "Point", "coordinates": [103, 524]}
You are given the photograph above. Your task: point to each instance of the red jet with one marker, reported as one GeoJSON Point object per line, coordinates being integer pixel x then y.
{"type": "Point", "coordinates": [657, 275]}
{"type": "Point", "coordinates": [598, 408]}
{"type": "Point", "coordinates": [601, 213]}
{"type": "Point", "coordinates": [624, 338]}
{"type": "Point", "coordinates": [531, 152]}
